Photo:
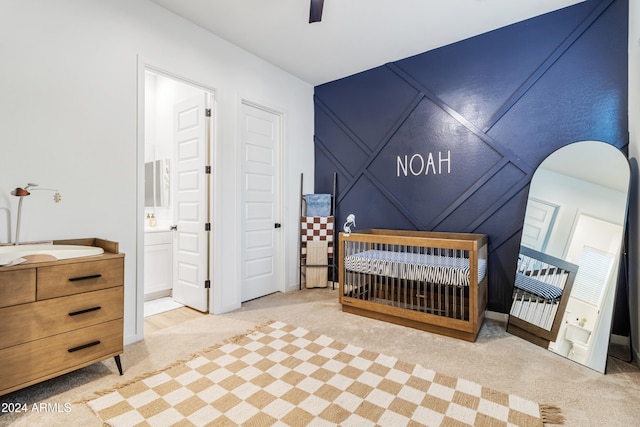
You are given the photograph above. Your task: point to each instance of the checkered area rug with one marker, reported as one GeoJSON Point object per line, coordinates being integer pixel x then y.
{"type": "Point", "coordinates": [282, 375]}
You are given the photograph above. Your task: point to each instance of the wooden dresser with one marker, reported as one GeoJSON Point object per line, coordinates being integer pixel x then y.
{"type": "Point", "coordinates": [59, 316]}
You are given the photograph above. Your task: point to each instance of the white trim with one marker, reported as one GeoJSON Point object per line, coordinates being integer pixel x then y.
{"type": "Point", "coordinates": [139, 260]}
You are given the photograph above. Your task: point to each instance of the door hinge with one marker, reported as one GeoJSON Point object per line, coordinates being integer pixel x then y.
{"type": "Point", "coordinates": [207, 112]}
{"type": "Point", "coordinates": [207, 169]}
{"type": "Point", "coordinates": [207, 284]}
{"type": "Point", "coordinates": [207, 226]}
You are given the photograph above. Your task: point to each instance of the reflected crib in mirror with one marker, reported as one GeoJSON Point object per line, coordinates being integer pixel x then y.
{"type": "Point", "coordinates": [570, 252]}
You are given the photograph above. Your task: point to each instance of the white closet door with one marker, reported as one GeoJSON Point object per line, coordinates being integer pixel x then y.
{"type": "Point", "coordinates": [260, 150]}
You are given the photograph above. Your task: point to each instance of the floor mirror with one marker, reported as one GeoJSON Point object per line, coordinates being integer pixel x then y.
{"type": "Point", "coordinates": [571, 252]}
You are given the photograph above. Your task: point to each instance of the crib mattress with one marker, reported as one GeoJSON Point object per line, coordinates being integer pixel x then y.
{"type": "Point", "coordinates": [445, 270]}
{"type": "Point", "coordinates": [544, 290]}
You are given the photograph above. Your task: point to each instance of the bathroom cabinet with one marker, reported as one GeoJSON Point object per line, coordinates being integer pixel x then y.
{"type": "Point", "coordinates": [158, 264]}
{"type": "Point", "coordinates": [59, 316]}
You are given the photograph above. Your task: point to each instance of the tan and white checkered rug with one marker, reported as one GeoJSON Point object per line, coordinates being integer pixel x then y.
{"type": "Point", "coordinates": [283, 375]}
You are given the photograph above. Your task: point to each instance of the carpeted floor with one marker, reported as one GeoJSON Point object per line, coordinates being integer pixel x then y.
{"type": "Point", "coordinates": [285, 375]}
{"type": "Point", "coordinates": [496, 360]}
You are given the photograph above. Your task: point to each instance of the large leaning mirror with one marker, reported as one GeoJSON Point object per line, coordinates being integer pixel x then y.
{"type": "Point", "coordinates": [571, 251]}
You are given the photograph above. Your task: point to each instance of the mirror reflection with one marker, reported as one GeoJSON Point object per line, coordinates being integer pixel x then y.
{"type": "Point", "coordinates": [156, 182]}
{"type": "Point", "coordinates": [570, 252]}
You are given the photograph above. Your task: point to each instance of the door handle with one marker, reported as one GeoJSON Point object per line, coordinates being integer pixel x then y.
{"type": "Point", "coordinates": [173, 227]}
{"type": "Point", "coordinates": [277, 225]}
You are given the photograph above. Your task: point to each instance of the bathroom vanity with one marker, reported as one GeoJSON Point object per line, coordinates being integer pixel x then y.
{"type": "Point", "coordinates": [59, 316]}
{"type": "Point", "coordinates": [158, 263]}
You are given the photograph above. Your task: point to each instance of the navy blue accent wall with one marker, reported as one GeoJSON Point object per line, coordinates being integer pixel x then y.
{"type": "Point", "coordinates": [448, 140]}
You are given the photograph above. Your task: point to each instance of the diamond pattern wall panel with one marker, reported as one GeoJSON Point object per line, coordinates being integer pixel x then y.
{"type": "Point", "coordinates": [449, 140]}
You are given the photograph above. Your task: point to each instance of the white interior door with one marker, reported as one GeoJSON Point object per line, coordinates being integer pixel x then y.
{"type": "Point", "coordinates": [595, 247]}
{"type": "Point", "coordinates": [595, 233]}
{"type": "Point", "coordinates": [191, 145]}
{"type": "Point", "coordinates": [260, 201]}
{"type": "Point", "coordinates": [538, 223]}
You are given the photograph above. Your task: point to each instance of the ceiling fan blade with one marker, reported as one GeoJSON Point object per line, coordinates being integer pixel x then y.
{"type": "Point", "coordinates": [315, 11]}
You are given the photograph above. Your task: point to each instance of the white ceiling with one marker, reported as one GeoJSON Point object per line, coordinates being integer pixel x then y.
{"type": "Point", "coordinates": [354, 35]}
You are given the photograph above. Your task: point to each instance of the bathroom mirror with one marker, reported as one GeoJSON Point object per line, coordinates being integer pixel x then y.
{"type": "Point", "coordinates": [156, 183]}
{"type": "Point", "coordinates": [571, 251]}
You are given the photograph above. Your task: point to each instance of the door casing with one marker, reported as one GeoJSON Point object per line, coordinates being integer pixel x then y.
{"type": "Point", "coordinates": [145, 65]}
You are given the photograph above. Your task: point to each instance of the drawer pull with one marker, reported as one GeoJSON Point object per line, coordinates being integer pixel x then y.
{"type": "Point", "coordinates": [80, 347]}
{"type": "Point", "coordinates": [93, 276]}
{"type": "Point", "coordinates": [87, 310]}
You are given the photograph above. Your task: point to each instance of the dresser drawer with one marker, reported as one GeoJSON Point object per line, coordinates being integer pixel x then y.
{"type": "Point", "coordinates": [27, 322]}
{"type": "Point", "coordinates": [17, 287]}
{"type": "Point", "coordinates": [41, 359]}
{"type": "Point", "coordinates": [69, 279]}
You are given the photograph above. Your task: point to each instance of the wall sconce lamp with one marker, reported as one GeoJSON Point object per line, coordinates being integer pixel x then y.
{"type": "Point", "coordinates": [24, 192]}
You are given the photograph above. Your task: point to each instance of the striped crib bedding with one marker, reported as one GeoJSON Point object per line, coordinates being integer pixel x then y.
{"type": "Point", "coordinates": [445, 270]}
{"type": "Point", "coordinates": [538, 288]}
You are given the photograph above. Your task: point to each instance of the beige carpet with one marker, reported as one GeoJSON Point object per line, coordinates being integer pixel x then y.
{"type": "Point", "coordinates": [497, 360]}
{"type": "Point", "coordinates": [285, 375]}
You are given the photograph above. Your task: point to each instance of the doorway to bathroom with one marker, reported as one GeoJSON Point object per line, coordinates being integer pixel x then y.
{"type": "Point", "coordinates": [177, 139]}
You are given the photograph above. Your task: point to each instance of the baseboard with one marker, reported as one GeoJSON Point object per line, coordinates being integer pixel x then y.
{"type": "Point", "coordinates": [619, 340]}
{"type": "Point", "coordinates": [158, 294]}
{"type": "Point", "coordinates": [494, 315]}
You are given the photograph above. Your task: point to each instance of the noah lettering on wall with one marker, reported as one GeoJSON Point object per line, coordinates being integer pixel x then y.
{"type": "Point", "coordinates": [419, 164]}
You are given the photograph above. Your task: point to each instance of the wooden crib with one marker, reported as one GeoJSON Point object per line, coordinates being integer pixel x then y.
{"type": "Point", "coordinates": [431, 281]}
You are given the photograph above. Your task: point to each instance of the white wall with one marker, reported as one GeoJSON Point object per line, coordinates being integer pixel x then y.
{"type": "Point", "coordinates": [69, 119]}
{"type": "Point", "coordinates": [634, 156]}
